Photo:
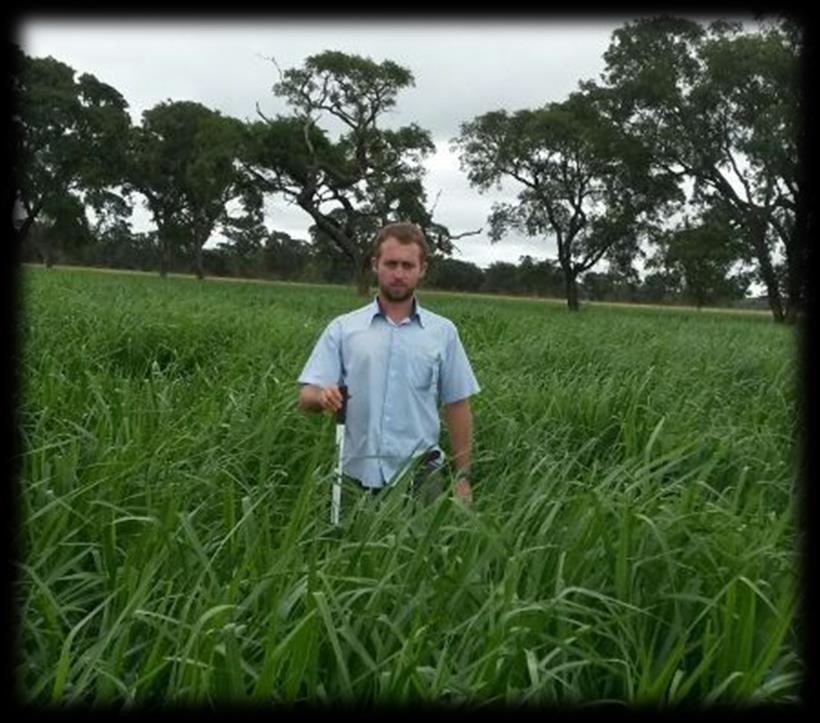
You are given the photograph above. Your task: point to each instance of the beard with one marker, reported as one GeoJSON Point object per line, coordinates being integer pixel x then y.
{"type": "Point", "coordinates": [396, 296]}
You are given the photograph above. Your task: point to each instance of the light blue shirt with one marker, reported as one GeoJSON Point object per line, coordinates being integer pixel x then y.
{"type": "Point", "coordinates": [395, 376]}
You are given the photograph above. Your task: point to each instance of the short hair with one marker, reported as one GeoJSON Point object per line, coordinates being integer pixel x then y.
{"type": "Point", "coordinates": [404, 232]}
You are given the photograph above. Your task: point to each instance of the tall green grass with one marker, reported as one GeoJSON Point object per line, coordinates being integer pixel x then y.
{"type": "Point", "coordinates": [633, 536]}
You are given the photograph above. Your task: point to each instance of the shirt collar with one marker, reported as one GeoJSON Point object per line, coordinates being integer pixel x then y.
{"type": "Point", "coordinates": [418, 313]}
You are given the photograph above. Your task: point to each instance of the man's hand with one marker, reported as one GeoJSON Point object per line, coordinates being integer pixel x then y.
{"type": "Point", "coordinates": [463, 491]}
{"type": "Point", "coordinates": [321, 399]}
{"type": "Point", "coordinates": [331, 398]}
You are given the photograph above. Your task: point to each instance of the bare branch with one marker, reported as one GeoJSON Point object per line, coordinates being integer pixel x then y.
{"type": "Point", "coordinates": [272, 59]}
{"type": "Point", "coordinates": [435, 203]}
{"type": "Point", "coordinates": [591, 259]}
{"type": "Point", "coordinates": [735, 168]}
{"type": "Point", "coordinates": [308, 143]}
{"type": "Point", "coordinates": [781, 230]}
{"type": "Point", "coordinates": [261, 114]}
{"type": "Point", "coordinates": [452, 237]}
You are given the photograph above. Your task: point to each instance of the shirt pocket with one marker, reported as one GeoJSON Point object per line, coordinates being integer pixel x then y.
{"type": "Point", "coordinates": [424, 371]}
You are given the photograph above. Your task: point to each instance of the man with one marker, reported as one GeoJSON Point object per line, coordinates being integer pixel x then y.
{"type": "Point", "coordinates": [397, 360]}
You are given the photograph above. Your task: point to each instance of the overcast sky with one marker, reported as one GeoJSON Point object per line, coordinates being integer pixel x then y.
{"type": "Point", "coordinates": [461, 69]}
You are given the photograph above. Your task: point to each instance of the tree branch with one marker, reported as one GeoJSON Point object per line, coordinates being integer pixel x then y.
{"type": "Point", "coordinates": [453, 237]}
{"type": "Point", "coordinates": [591, 259]}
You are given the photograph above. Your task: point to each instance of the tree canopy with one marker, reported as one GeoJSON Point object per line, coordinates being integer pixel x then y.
{"type": "Point", "coordinates": [358, 182]}
{"type": "Point", "coordinates": [69, 141]}
{"type": "Point", "coordinates": [580, 180]}
{"type": "Point", "coordinates": [720, 107]}
{"type": "Point", "coordinates": [183, 161]}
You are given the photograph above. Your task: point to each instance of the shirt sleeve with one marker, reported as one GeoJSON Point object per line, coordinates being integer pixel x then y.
{"type": "Point", "coordinates": [325, 363]}
{"type": "Point", "coordinates": [457, 380]}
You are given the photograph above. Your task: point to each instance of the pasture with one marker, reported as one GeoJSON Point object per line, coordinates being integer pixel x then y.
{"type": "Point", "coordinates": [634, 535]}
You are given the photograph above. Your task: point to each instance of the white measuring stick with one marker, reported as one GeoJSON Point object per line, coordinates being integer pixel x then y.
{"type": "Point", "coordinates": [336, 496]}
{"type": "Point", "coordinates": [336, 501]}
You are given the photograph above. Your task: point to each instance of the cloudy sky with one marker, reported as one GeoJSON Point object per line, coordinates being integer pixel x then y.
{"type": "Point", "coordinates": [461, 69]}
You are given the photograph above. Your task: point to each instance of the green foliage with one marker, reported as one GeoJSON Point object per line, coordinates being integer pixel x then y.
{"type": "Point", "coordinates": [287, 257]}
{"type": "Point", "coordinates": [453, 275]}
{"type": "Point", "coordinates": [634, 536]}
{"type": "Point", "coordinates": [68, 139]}
{"type": "Point", "coordinates": [703, 256]}
{"type": "Point", "coordinates": [581, 180]}
{"type": "Point", "coordinates": [720, 107]}
{"type": "Point", "coordinates": [501, 277]}
{"type": "Point", "coordinates": [287, 146]}
{"type": "Point", "coordinates": [182, 160]}
{"type": "Point", "coordinates": [352, 88]}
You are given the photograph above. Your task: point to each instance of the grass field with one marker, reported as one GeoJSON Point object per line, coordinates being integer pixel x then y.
{"type": "Point", "coordinates": [633, 537]}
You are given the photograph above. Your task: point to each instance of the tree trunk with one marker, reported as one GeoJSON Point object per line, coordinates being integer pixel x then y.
{"type": "Point", "coordinates": [363, 277]}
{"type": "Point", "coordinates": [796, 268]}
{"type": "Point", "coordinates": [24, 229]}
{"type": "Point", "coordinates": [794, 298]}
{"type": "Point", "coordinates": [163, 260]}
{"type": "Point", "coordinates": [199, 268]}
{"type": "Point", "coordinates": [46, 252]}
{"type": "Point", "coordinates": [758, 231]}
{"type": "Point", "coordinates": [571, 289]}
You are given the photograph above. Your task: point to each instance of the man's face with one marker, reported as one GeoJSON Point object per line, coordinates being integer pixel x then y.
{"type": "Point", "coordinates": [399, 269]}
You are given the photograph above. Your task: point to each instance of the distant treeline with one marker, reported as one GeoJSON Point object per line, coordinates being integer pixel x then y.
{"type": "Point", "coordinates": [286, 259]}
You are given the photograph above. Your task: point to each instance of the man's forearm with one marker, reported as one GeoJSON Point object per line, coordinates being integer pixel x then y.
{"type": "Point", "coordinates": [309, 398]}
{"type": "Point", "coordinates": [460, 429]}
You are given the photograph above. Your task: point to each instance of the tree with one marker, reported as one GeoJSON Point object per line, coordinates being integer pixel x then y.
{"type": "Point", "coordinates": [329, 263]}
{"type": "Point", "coordinates": [69, 147]}
{"type": "Point", "coordinates": [703, 254]}
{"type": "Point", "coordinates": [454, 275]}
{"type": "Point", "coordinates": [501, 277]}
{"type": "Point", "coordinates": [354, 185]}
{"type": "Point", "coordinates": [721, 107]}
{"type": "Point", "coordinates": [614, 284]}
{"type": "Point", "coordinates": [64, 228]}
{"type": "Point", "coordinates": [119, 247]}
{"type": "Point", "coordinates": [182, 160]}
{"type": "Point", "coordinates": [661, 285]}
{"type": "Point", "coordinates": [581, 181]}
{"type": "Point", "coordinates": [598, 286]}
{"type": "Point", "coordinates": [286, 257]}
{"type": "Point", "coordinates": [244, 248]}
{"type": "Point", "coordinates": [543, 278]}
